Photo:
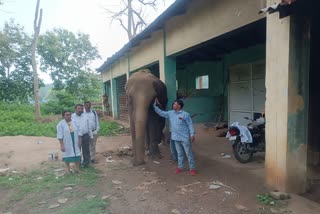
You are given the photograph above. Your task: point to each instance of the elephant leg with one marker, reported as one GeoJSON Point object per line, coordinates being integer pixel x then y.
{"type": "Point", "coordinates": [147, 141]}
{"type": "Point", "coordinates": [166, 136]}
{"type": "Point", "coordinates": [154, 136]}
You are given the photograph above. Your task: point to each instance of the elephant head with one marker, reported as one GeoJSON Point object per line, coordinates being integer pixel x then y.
{"type": "Point", "coordinates": [145, 125]}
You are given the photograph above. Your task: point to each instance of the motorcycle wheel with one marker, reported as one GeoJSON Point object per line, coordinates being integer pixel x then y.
{"type": "Point", "coordinates": [240, 153]}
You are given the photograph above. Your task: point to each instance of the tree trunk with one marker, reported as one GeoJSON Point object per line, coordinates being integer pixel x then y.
{"type": "Point", "coordinates": [36, 26]}
{"type": "Point", "coordinates": [130, 18]}
{"type": "Point", "coordinates": [8, 72]}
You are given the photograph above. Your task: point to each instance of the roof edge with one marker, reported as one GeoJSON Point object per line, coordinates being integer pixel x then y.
{"type": "Point", "coordinates": [174, 9]}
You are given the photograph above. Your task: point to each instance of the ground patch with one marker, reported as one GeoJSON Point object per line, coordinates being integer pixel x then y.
{"type": "Point", "coordinates": [47, 187]}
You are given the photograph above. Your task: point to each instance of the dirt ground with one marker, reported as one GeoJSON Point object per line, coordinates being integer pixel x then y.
{"type": "Point", "coordinates": [154, 188]}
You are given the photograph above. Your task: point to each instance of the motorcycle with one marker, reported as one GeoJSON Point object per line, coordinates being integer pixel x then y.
{"type": "Point", "coordinates": [247, 140]}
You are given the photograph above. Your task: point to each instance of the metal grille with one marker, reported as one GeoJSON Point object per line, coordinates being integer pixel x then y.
{"type": "Point", "coordinates": [108, 102]}
{"type": "Point", "coordinates": [122, 99]}
{"type": "Point", "coordinates": [247, 93]}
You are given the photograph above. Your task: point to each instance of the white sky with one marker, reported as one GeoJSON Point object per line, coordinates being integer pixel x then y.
{"type": "Point", "coordinates": [86, 16]}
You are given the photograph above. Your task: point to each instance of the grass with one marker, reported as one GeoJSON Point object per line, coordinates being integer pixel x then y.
{"type": "Point", "coordinates": [45, 180]}
{"type": "Point", "coordinates": [43, 185]}
{"type": "Point", "coordinates": [271, 205]}
{"type": "Point", "coordinates": [107, 128]}
{"type": "Point", "coordinates": [19, 120]}
{"type": "Point", "coordinates": [92, 206]}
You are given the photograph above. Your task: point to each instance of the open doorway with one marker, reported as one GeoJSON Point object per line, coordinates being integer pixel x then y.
{"type": "Point", "coordinates": [203, 71]}
{"type": "Point", "coordinates": [154, 68]}
{"type": "Point", "coordinates": [313, 192]}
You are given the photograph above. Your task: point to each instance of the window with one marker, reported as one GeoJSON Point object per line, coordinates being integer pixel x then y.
{"type": "Point", "coordinates": [202, 82]}
{"type": "Point", "coordinates": [177, 86]}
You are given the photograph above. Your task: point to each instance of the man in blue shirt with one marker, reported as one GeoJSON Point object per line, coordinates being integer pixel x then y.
{"type": "Point", "coordinates": [182, 132]}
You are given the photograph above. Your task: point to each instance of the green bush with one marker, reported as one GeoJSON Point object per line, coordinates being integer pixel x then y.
{"type": "Point", "coordinates": [60, 101]}
{"type": "Point", "coordinates": [265, 199]}
{"type": "Point", "coordinates": [28, 128]}
{"type": "Point", "coordinates": [15, 107]}
{"type": "Point", "coordinates": [107, 128]}
{"type": "Point", "coordinates": [54, 107]}
{"type": "Point", "coordinates": [17, 119]}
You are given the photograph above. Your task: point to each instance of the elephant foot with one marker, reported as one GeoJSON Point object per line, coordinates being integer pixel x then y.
{"type": "Point", "coordinates": [156, 156]}
{"type": "Point", "coordinates": [138, 163]}
{"type": "Point", "coordinates": [148, 153]}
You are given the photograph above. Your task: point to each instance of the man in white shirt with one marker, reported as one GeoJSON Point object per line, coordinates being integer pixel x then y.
{"type": "Point", "coordinates": [94, 123]}
{"type": "Point", "coordinates": [85, 132]}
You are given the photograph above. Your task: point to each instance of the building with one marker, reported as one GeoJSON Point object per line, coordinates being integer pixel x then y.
{"type": "Point", "coordinates": [230, 61]}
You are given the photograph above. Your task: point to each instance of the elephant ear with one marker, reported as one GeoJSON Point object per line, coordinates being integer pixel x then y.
{"type": "Point", "coordinates": [161, 93]}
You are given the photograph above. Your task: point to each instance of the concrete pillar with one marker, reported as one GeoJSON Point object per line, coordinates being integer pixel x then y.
{"type": "Point", "coordinates": [287, 71]}
{"type": "Point", "coordinates": [115, 112]}
{"type": "Point", "coordinates": [114, 95]}
{"type": "Point", "coordinates": [104, 92]}
{"type": "Point", "coordinates": [168, 69]}
{"type": "Point", "coordinates": [128, 71]}
{"type": "Point", "coordinates": [170, 79]}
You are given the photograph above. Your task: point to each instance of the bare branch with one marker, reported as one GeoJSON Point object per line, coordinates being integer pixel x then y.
{"type": "Point", "coordinates": [139, 17]}
{"type": "Point", "coordinates": [131, 14]}
{"type": "Point", "coordinates": [125, 2]}
{"type": "Point", "coordinates": [117, 14]}
{"type": "Point", "coordinates": [36, 15]}
{"type": "Point", "coordinates": [136, 27]}
{"type": "Point", "coordinates": [37, 32]}
{"type": "Point", "coordinates": [122, 25]}
{"type": "Point", "coordinates": [151, 3]}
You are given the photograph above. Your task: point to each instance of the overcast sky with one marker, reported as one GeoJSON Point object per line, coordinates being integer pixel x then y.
{"type": "Point", "coordinates": [86, 16]}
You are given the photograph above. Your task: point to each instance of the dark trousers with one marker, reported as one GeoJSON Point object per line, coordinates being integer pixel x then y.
{"type": "Point", "coordinates": [85, 147]}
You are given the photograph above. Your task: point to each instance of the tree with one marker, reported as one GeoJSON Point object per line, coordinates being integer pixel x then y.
{"type": "Point", "coordinates": [88, 86]}
{"type": "Point", "coordinates": [66, 57]}
{"type": "Point", "coordinates": [131, 15]}
{"type": "Point", "coordinates": [16, 79]}
{"type": "Point", "coordinates": [36, 27]}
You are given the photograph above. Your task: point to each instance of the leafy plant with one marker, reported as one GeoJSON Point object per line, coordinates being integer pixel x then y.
{"type": "Point", "coordinates": [107, 128]}
{"type": "Point", "coordinates": [18, 119]}
{"type": "Point", "coordinates": [266, 199]}
{"type": "Point", "coordinates": [16, 78]}
{"type": "Point", "coordinates": [66, 57]}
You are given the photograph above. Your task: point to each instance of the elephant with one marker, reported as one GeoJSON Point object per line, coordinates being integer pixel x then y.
{"type": "Point", "coordinates": [145, 125]}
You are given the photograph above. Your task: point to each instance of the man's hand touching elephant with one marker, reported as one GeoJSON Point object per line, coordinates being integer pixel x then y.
{"type": "Point", "coordinates": [192, 139]}
{"type": "Point", "coordinates": [156, 101]}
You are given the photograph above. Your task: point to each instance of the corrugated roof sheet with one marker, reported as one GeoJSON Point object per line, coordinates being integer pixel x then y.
{"type": "Point", "coordinates": [288, 1]}
{"type": "Point", "coordinates": [177, 8]}
{"type": "Point", "coordinates": [277, 6]}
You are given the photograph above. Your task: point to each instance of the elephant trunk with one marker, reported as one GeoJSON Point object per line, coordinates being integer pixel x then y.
{"type": "Point", "coordinates": [138, 139]}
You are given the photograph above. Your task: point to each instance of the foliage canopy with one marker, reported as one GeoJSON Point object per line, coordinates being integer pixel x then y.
{"type": "Point", "coordinates": [16, 79]}
{"type": "Point", "coordinates": [66, 57]}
